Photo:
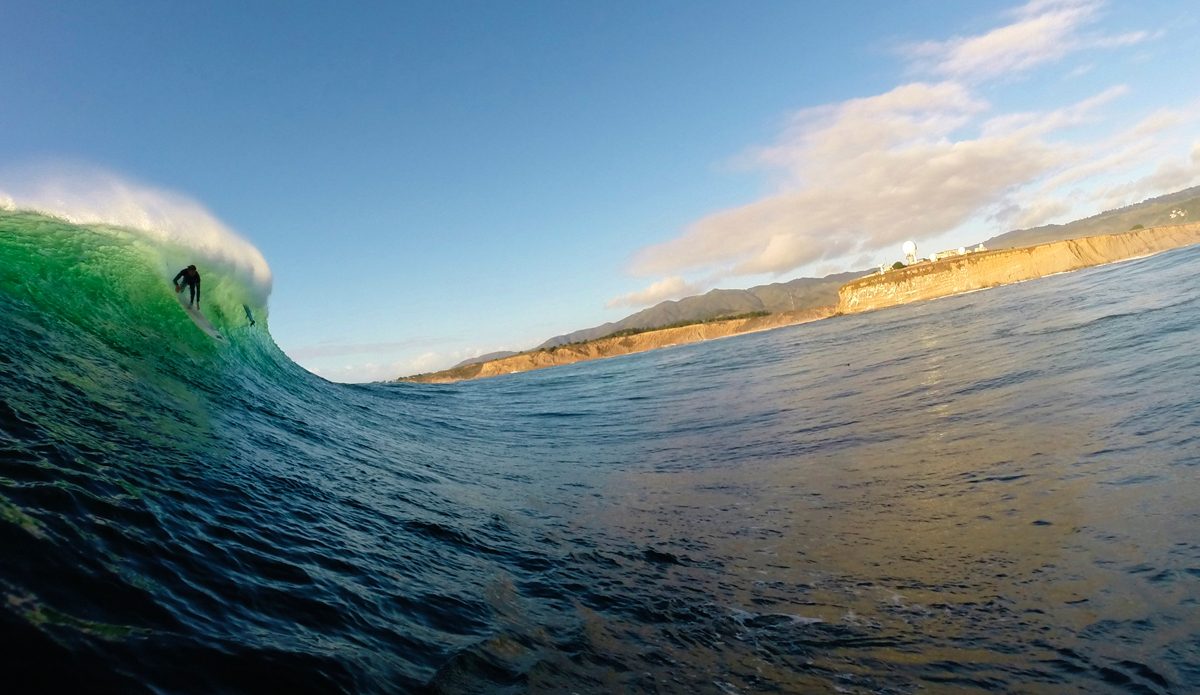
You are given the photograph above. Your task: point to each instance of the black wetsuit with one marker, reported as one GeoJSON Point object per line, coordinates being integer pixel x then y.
{"type": "Point", "coordinates": [191, 278]}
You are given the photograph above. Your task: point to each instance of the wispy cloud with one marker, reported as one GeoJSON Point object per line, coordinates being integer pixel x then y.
{"type": "Point", "coordinates": [1172, 173]}
{"type": "Point", "coordinates": [1145, 143]}
{"type": "Point", "coordinates": [866, 174]}
{"type": "Point", "coordinates": [1038, 211]}
{"type": "Point", "coordinates": [920, 160]}
{"type": "Point", "coordinates": [1044, 31]}
{"type": "Point", "coordinates": [385, 367]}
{"type": "Point", "coordinates": [385, 370]}
{"type": "Point", "coordinates": [673, 287]}
{"type": "Point", "coordinates": [348, 349]}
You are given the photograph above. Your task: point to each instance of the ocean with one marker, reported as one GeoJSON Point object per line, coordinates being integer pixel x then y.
{"type": "Point", "coordinates": [993, 492]}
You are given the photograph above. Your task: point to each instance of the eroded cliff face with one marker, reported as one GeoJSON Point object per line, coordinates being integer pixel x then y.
{"type": "Point", "coordinates": [993, 268]}
{"type": "Point", "coordinates": [613, 347]}
{"type": "Point", "coordinates": [913, 284]}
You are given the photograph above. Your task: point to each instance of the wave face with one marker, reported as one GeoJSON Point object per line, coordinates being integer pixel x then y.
{"type": "Point", "coordinates": [988, 492]}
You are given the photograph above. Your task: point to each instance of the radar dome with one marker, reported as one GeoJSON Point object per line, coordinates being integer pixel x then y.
{"type": "Point", "coordinates": [910, 248]}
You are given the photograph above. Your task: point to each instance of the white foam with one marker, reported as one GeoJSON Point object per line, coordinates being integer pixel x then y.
{"type": "Point", "coordinates": [89, 196]}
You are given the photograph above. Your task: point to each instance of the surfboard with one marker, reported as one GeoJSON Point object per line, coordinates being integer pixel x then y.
{"type": "Point", "coordinates": [203, 323]}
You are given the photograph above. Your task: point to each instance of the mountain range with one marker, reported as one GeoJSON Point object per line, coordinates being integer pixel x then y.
{"type": "Point", "coordinates": [803, 293]}
{"type": "Point", "coordinates": [1174, 208]}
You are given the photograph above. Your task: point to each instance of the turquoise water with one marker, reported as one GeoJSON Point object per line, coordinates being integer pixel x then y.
{"type": "Point", "coordinates": [995, 492]}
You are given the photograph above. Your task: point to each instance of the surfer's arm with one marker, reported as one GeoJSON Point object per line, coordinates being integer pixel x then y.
{"type": "Point", "coordinates": [176, 280]}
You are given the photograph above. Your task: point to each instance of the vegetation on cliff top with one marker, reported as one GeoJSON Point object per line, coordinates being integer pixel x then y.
{"type": "Point", "coordinates": [468, 371]}
{"type": "Point", "coordinates": [1176, 208]}
{"type": "Point", "coordinates": [794, 295]}
{"type": "Point", "coordinates": [626, 332]}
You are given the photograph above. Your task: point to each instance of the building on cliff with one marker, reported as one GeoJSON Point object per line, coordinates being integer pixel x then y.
{"type": "Point", "coordinates": [976, 271]}
{"type": "Point", "coordinates": [960, 251]}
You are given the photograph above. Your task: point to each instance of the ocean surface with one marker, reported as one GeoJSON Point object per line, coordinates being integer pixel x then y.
{"type": "Point", "coordinates": [995, 492]}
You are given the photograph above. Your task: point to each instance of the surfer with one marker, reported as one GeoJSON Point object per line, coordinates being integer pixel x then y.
{"type": "Point", "coordinates": [191, 278]}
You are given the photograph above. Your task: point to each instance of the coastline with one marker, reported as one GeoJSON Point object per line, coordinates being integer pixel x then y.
{"type": "Point", "coordinates": [915, 283]}
{"type": "Point", "coordinates": [616, 347]}
{"type": "Point", "coordinates": [978, 271]}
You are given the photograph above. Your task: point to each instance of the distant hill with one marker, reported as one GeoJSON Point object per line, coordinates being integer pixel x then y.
{"type": "Point", "coordinates": [486, 358]}
{"type": "Point", "coordinates": [1155, 212]}
{"type": "Point", "coordinates": [804, 293]}
{"type": "Point", "coordinates": [801, 293]}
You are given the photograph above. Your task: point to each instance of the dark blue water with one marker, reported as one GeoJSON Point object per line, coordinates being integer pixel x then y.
{"type": "Point", "coordinates": [995, 492]}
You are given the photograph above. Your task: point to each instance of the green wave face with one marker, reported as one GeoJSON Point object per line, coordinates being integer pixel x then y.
{"type": "Point", "coordinates": [96, 274]}
{"type": "Point", "coordinates": [96, 341]}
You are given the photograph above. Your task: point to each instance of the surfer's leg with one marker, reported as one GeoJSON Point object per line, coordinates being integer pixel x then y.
{"type": "Point", "coordinates": [192, 295]}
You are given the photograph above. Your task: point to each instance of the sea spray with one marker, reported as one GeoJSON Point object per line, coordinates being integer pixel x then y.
{"type": "Point", "coordinates": [180, 229]}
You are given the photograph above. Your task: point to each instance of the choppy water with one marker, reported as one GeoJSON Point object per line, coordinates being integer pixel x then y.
{"type": "Point", "coordinates": [995, 492]}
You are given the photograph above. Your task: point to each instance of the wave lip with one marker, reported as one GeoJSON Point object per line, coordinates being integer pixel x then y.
{"type": "Point", "coordinates": [164, 218]}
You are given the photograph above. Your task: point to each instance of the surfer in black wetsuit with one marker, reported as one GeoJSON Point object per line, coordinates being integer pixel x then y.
{"type": "Point", "coordinates": [191, 278]}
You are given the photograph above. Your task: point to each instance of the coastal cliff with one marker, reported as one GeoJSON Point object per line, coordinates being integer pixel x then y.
{"type": "Point", "coordinates": [614, 347]}
{"type": "Point", "coordinates": [915, 283]}
{"type": "Point", "coordinates": [978, 271]}
{"type": "Point", "coordinates": [778, 297]}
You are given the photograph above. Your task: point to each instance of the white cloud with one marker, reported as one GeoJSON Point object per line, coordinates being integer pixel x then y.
{"type": "Point", "coordinates": [870, 173]}
{"type": "Point", "coordinates": [1158, 122]}
{"type": "Point", "coordinates": [386, 370]}
{"type": "Point", "coordinates": [1044, 31]}
{"type": "Point", "coordinates": [1127, 150]}
{"type": "Point", "coordinates": [1171, 174]}
{"type": "Point", "coordinates": [1034, 124]}
{"type": "Point", "coordinates": [1041, 211]}
{"type": "Point", "coordinates": [428, 361]}
{"type": "Point", "coordinates": [673, 287]}
{"type": "Point", "coordinates": [389, 367]}
{"type": "Point", "coordinates": [347, 349]}
{"type": "Point", "coordinates": [928, 158]}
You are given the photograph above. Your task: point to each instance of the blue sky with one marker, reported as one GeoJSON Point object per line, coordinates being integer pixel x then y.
{"type": "Point", "coordinates": [432, 181]}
